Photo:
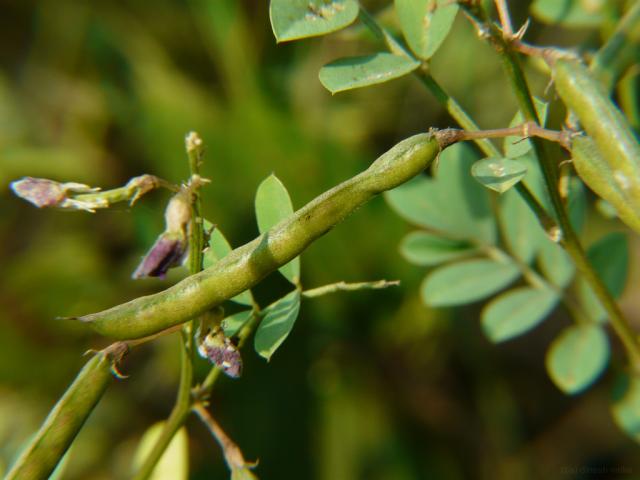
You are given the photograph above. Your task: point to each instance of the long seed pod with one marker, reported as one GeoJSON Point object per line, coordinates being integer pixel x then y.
{"type": "Point", "coordinates": [247, 265]}
{"type": "Point", "coordinates": [596, 173]}
{"type": "Point", "coordinates": [64, 422]}
{"type": "Point", "coordinates": [604, 123]}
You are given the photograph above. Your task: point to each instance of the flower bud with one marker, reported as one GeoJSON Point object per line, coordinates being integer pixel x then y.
{"type": "Point", "coordinates": [170, 248]}
{"type": "Point", "coordinates": [43, 192]}
{"type": "Point", "coordinates": [168, 251]}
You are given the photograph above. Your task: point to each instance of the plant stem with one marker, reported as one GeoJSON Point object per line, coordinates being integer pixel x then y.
{"type": "Point", "coordinates": [348, 287]}
{"type": "Point", "coordinates": [526, 130]}
{"type": "Point", "coordinates": [569, 239]}
{"type": "Point", "coordinates": [454, 109]}
{"type": "Point", "coordinates": [182, 407]}
{"type": "Point", "coordinates": [232, 453]}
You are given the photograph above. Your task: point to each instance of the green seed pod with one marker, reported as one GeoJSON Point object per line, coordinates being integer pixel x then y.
{"type": "Point", "coordinates": [247, 265]}
{"type": "Point", "coordinates": [64, 422]}
{"type": "Point", "coordinates": [604, 123]}
{"type": "Point", "coordinates": [597, 174]}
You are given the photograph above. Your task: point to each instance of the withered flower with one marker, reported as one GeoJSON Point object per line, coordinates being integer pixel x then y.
{"type": "Point", "coordinates": [171, 247]}
{"type": "Point", "coordinates": [222, 352]}
{"type": "Point", "coordinates": [43, 192]}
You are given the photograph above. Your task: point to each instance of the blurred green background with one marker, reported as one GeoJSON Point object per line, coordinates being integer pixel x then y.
{"type": "Point", "coordinates": [370, 385]}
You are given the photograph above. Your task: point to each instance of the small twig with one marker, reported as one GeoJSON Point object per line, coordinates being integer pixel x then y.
{"type": "Point", "coordinates": [349, 287]}
{"type": "Point", "coordinates": [182, 407]}
{"type": "Point", "coordinates": [232, 453]}
{"type": "Point", "coordinates": [526, 130]}
{"type": "Point", "coordinates": [45, 193]}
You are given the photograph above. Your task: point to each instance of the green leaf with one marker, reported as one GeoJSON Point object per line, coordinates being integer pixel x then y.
{"type": "Point", "coordinates": [626, 407]}
{"type": "Point", "coordinates": [466, 282]}
{"type": "Point", "coordinates": [425, 23]}
{"type": "Point", "coordinates": [174, 463]}
{"type": "Point", "coordinates": [516, 312]}
{"type": "Point", "coordinates": [451, 202]}
{"type": "Point", "coordinates": [219, 248]}
{"type": "Point", "coordinates": [232, 324]}
{"type": "Point", "coordinates": [517, 146]}
{"type": "Point", "coordinates": [357, 72]}
{"type": "Point", "coordinates": [610, 258]}
{"type": "Point", "coordinates": [569, 13]}
{"type": "Point", "coordinates": [273, 204]}
{"type": "Point", "coordinates": [555, 264]}
{"type": "Point", "coordinates": [577, 357]}
{"type": "Point", "coordinates": [499, 174]}
{"type": "Point", "coordinates": [277, 323]}
{"type": "Point", "coordinates": [294, 19]}
{"type": "Point", "coordinates": [426, 249]}
{"type": "Point", "coordinates": [522, 232]}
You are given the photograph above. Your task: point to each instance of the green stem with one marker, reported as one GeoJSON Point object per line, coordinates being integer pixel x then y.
{"type": "Point", "coordinates": [348, 287]}
{"type": "Point", "coordinates": [454, 109]}
{"type": "Point", "coordinates": [176, 419]}
{"type": "Point", "coordinates": [183, 404]}
{"type": "Point", "coordinates": [620, 51]}
{"type": "Point", "coordinates": [629, 97]}
{"type": "Point", "coordinates": [570, 239]}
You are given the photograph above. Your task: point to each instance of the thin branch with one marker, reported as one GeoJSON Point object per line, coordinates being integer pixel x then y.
{"type": "Point", "coordinates": [525, 130]}
{"type": "Point", "coordinates": [349, 287]}
{"type": "Point", "coordinates": [232, 453]}
{"type": "Point", "coordinates": [182, 407]}
{"type": "Point", "coordinates": [549, 169]}
{"type": "Point", "coordinates": [456, 111]}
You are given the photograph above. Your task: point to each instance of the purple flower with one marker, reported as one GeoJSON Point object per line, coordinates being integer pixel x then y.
{"type": "Point", "coordinates": [168, 251]}
{"type": "Point", "coordinates": [170, 248]}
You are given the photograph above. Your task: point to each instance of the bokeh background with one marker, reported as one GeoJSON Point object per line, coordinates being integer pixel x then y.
{"type": "Point", "coordinates": [370, 385]}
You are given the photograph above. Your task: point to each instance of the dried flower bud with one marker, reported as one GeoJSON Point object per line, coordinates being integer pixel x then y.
{"type": "Point", "coordinates": [222, 352]}
{"type": "Point", "coordinates": [168, 251]}
{"type": "Point", "coordinates": [170, 248]}
{"type": "Point", "coordinates": [43, 192]}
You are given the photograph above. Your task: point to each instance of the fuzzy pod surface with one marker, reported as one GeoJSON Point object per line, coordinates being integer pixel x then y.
{"type": "Point", "coordinates": [56, 434]}
{"type": "Point", "coordinates": [585, 96]}
{"type": "Point", "coordinates": [250, 263]}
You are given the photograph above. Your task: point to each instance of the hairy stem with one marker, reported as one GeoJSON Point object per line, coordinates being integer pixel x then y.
{"type": "Point", "coordinates": [456, 111]}
{"type": "Point", "coordinates": [182, 407]}
{"type": "Point", "coordinates": [569, 239]}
